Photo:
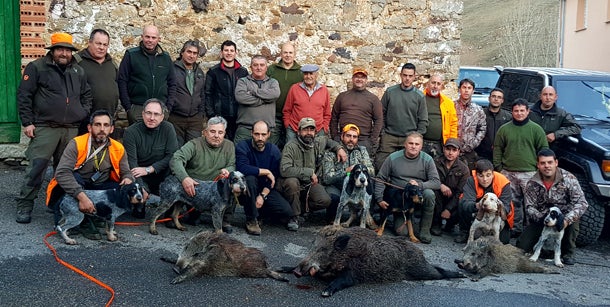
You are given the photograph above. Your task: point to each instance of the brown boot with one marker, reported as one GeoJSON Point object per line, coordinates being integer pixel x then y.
{"type": "Point", "coordinates": [253, 228]}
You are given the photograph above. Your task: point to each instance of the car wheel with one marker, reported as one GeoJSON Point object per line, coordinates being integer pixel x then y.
{"type": "Point", "coordinates": [592, 222]}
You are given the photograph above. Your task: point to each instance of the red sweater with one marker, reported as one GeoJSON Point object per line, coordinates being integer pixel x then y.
{"type": "Point", "coordinates": [299, 104]}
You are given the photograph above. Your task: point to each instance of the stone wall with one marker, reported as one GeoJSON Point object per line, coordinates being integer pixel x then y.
{"type": "Point", "coordinates": [338, 35]}
{"type": "Point", "coordinates": [379, 35]}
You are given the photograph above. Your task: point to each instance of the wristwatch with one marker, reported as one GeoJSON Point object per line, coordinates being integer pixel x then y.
{"type": "Point", "coordinates": [263, 196]}
{"type": "Point", "coordinates": [148, 170]}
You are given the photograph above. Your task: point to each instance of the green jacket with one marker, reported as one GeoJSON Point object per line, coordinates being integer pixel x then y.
{"type": "Point", "coordinates": [286, 78]}
{"type": "Point", "coordinates": [198, 160]}
{"type": "Point", "coordinates": [301, 162]}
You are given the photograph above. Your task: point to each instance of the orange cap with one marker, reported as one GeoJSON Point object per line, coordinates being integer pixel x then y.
{"type": "Point", "coordinates": [61, 39]}
{"type": "Point", "coordinates": [349, 127]}
{"type": "Point", "coordinates": [360, 70]}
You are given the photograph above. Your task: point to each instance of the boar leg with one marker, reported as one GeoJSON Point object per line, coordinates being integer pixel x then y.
{"type": "Point", "coordinates": [344, 280]}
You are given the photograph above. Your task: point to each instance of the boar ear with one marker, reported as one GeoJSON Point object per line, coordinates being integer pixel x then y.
{"type": "Point", "coordinates": [341, 242]}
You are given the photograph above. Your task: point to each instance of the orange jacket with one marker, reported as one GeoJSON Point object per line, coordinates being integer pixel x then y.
{"type": "Point", "coordinates": [448, 116]}
{"type": "Point", "coordinates": [115, 153]}
{"type": "Point", "coordinates": [498, 183]}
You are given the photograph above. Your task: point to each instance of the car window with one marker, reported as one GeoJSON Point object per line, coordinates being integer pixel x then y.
{"type": "Point", "coordinates": [589, 98]}
{"type": "Point", "coordinates": [484, 80]}
{"type": "Point", "coordinates": [533, 89]}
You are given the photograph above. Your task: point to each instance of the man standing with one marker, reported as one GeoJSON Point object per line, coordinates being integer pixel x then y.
{"type": "Point", "coordinates": [256, 95]}
{"type": "Point", "coordinates": [413, 166]}
{"type": "Point", "coordinates": [205, 158]}
{"type": "Point", "coordinates": [442, 119]}
{"type": "Point", "coordinates": [553, 186]}
{"type": "Point", "coordinates": [259, 161]}
{"type": "Point", "coordinates": [515, 148]}
{"type": "Point", "coordinates": [556, 122]}
{"type": "Point", "coordinates": [300, 170]}
{"type": "Point", "coordinates": [471, 122]}
{"type": "Point", "coordinates": [309, 98]}
{"type": "Point", "coordinates": [54, 82]}
{"type": "Point", "coordinates": [188, 110]}
{"type": "Point", "coordinates": [287, 72]}
{"type": "Point", "coordinates": [335, 171]}
{"type": "Point", "coordinates": [92, 161]}
{"type": "Point", "coordinates": [101, 74]}
{"type": "Point", "coordinates": [146, 72]}
{"type": "Point", "coordinates": [150, 145]}
{"type": "Point", "coordinates": [495, 117]}
{"type": "Point", "coordinates": [361, 108]}
{"type": "Point", "coordinates": [220, 85]}
{"type": "Point", "coordinates": [404, 111]}
{"type": "Point", "coordinates": [453, 174]}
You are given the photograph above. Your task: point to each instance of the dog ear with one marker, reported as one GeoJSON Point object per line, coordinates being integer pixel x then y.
{"type": "Point", "coordinates": [349, 188]}
{"type": "Point", "coordinates": [480, 213]}
{"type": "Point", "coordinates": [369, 186]}
{"type": "Point", "coordinates": [223, 187]}
{"type": "Point", "coordinates": [501, 212]}
{"type": "Point", "coordinates": [559, 223]}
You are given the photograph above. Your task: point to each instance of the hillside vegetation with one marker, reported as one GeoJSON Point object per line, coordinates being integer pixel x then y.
{"type": "Point", "coordinates": [510, 32]}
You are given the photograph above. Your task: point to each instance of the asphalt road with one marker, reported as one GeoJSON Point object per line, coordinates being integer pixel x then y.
{"type": "Point", "coordinates": [30, 275]}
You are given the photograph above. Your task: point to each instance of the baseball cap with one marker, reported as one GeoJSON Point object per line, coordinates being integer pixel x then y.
{"type": "Point", "coordinates": [359, 70]}
{"type": "Point", "coordinates": [61, 39]}
{"type": "Point", "coordinates": [453, 142]}
{"type": "Point", "coordinates": [307, 122]}
{"type": "Point", "coordinates": [349, 127]}
{"type": "Point", "coordinates": [309, 68]}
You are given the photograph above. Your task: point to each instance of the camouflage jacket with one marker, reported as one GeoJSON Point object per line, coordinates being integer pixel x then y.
{"type": "Point", "coordinates": [565, 193]}
{"type": "Point", "coordinates": [472, 125]}
{"type": "Point", "coordinates": [333, 172]}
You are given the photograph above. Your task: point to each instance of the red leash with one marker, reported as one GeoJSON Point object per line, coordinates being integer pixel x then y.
{"type": "Point", "coordinates": [77, 270]}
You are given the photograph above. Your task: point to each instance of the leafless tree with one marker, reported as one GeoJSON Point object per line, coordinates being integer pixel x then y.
{"type": "Point", "coordinates": [529, 35]}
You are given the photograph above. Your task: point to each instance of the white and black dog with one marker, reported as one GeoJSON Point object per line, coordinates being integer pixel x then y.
{"type": "Point", "coordinates": [357, 193]}
{"type": "Point", "coordinates": [551, 236]}
{"type": "Point", "coordinates": [214, 196]}
{"type": "Point", "coordinates": [489, 219]}
{"type": "Point", "coordinates": [109, 204]}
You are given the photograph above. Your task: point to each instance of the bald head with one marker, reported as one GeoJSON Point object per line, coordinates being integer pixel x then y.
{"type": "Point", "coordinates": [548, 97]}
{"type": "Point", "coordinates": [435, 84]}
{"type": "Point", "coordinates": [150, 37]}
{"type": "Point", "coordinates": [288, 53]}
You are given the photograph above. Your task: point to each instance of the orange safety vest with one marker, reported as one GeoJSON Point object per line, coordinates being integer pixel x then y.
{"type": "Point", "coordinates": [498, 183]}
{"type": "Point", "coordinates": [115, 153]}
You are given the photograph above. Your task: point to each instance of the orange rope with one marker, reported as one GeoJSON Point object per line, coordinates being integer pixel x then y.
{"type": "Point", "coordinates": [77, 270]}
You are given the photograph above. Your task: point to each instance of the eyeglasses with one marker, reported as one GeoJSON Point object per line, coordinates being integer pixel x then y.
{"type": "Point", "coordinates": [152, 114]}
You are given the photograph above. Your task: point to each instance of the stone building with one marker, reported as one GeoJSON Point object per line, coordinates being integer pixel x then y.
{"type": "Point", "coordinates": [379, 35]}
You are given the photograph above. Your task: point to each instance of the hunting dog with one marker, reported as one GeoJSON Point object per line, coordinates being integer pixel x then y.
{"type": "Point", "coordinates": [551, 236]}
{"type": "Point", "coordinates": [411, 195]}
{"type": "Point", "coordinates": [357, 193]}
{"type": "Point", "coordinates": [213, 196]}
{"type": "Point", "coordinates": [489, 219]}
{"type": "Point", "coordinates": [109, 204]}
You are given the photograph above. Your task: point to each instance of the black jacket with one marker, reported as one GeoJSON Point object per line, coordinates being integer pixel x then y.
{"type": "Point", "coordinates": [184, 103]}
{"type": "Point", "coordinates": [494, 121]}
{"type": "Point", "coordinates": [220, 90]}
{"type": "Point", "coordinates": [48, 96]}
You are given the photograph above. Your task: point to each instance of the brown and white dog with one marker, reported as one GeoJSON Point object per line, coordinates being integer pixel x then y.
{"type": "Point", "coordinates": [489, 219]}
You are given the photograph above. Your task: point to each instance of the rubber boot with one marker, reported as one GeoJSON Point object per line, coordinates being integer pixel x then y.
{"type": "Point", "coordinates": [424, 227]}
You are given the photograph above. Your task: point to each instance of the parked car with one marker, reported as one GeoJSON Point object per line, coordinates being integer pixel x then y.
{"type": "Point", "coordinates": [484, 78]}
{"type": "Point", "coordinates": [585, 94]}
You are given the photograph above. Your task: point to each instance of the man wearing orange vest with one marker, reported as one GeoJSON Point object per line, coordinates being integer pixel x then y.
{"type": "Point", "coordinates": [484, 179]}
{"type": "Point", "coordinates": [91, 161]}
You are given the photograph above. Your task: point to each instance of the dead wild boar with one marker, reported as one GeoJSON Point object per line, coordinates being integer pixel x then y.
{"type": "Point", "coordinates": [218, 254]}
{"type": "Point", "coordinates": [486, 255]}
{"type": "Point", "coordinates": [348, 256]}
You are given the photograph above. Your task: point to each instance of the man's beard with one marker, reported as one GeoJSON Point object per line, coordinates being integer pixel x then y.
{"type": "Point", "coordinates": [350, 146]}
{"type": "Point", "coordinates": [307, 139]}
{"type": "Point", "coordinates": [434, 93]}
{"type": "Point", "coordinates": [100, 139]}
{"type": "Point", "coordinates": [260, 145]}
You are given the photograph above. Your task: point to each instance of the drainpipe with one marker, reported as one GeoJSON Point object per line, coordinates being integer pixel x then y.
{"type": "Point", "coordinates": [562, 26]}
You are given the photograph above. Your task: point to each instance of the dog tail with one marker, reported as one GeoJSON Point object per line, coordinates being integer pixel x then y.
{"type": "Point", "coordinates": [449, 274]}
